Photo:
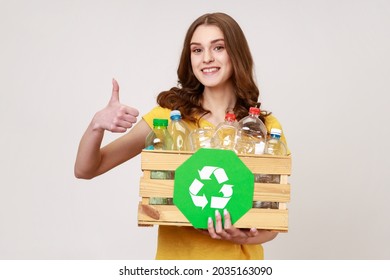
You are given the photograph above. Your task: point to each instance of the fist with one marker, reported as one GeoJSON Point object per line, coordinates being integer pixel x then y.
{"type": "Point", "coordinates": [115, 117]}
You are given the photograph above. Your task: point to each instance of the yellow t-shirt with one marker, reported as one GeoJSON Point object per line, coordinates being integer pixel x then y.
{"type": "Point", "coordinates": [188, 243]}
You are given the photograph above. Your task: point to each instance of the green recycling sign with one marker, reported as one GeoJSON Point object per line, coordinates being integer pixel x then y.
{"type": "Point", "coordinates": [213, 180]}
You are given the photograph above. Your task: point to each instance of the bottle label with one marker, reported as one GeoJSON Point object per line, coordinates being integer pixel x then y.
{"type": "Point", "coordinates": [259, 148]}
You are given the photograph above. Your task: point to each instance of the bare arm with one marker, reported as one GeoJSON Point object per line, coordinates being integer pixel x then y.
{"type": "Point", "coordinates": [92, 160]}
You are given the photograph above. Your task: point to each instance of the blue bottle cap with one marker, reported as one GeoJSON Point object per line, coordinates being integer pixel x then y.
{"type": "Point", "coordinates": [175, 114]}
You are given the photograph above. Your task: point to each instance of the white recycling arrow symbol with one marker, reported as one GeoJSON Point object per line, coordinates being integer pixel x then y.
{"type": "Point", "coordinates": [221, 177]}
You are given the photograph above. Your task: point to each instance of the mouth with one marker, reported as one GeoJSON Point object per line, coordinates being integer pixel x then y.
{"type": "Point", "coordinates": [210, 70]}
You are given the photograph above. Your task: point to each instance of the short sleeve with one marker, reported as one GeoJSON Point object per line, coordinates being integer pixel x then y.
{"type": "Point", "coordinates": [272, 122]}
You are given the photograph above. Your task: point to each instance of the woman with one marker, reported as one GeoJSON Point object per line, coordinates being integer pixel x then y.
{"type": "Point", "coordinates": [215, 74]}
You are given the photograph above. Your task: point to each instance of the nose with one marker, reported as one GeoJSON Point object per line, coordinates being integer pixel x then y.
{"type": "Point", "coordinates": [208, 57]}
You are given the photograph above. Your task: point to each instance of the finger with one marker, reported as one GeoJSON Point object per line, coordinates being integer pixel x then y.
{"type": "Point", "coordinates": [253, 232]}
{"type": "Point", "coordinates": [202, 231]}
{"type": "Point", "coordinates": [228, 221]}
{"type": "Point", "coordinates": [122, 123]}
{"type": "Point", "coordinates": [131, 111]}
{"type": "Point", "coordinates": [115, 91]}
{"type": "Point", "coordinates": [232, 231]}
{"type": "Point", "coordinates": [129, 118]}
{"type": "Point", "coordinates": [219, 227]}
{"type": "Point", "coordinates": [127, 113]}
{"type": "Point", "coordinates": [210, 228]}
{"type": "Point", "coordinates": [218, 222]}
{"type": "Point", "coordinates": [114, 128]}
{"type": "Point", "coordinates": [126, 110]}
{"type": "Point", "coordinates": [229, 228]}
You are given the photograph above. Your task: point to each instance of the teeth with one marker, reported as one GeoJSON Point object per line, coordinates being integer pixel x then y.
{"type": "Point", "coordinates": [209, 70]}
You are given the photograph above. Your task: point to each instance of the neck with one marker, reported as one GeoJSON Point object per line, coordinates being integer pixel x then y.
{"type": "Point", "coordinates": [218, 102]}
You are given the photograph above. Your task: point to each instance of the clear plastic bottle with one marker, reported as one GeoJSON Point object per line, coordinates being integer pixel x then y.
{"type": "Point", "coordinates": [201, 138]}
{"type": "Point", "coordinates": [159, 139]}
{"type": "Point", "coordinates": [251, 133]}
{"type": "Point", "coordinates": [225, 133]}
{"type": "Point", "coordinates": [274, 146]}
{"type": "Point", "coordinates": [179, 132]}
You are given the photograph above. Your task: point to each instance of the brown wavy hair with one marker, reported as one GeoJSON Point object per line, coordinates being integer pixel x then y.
{"type": "Point", "coordinates": [187, 96]}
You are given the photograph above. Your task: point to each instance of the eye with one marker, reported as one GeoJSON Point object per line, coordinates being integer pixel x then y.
{"type": "Point", "coordinates": [196, 50]}
{"type": "Point", "coordinates": [219, 48]}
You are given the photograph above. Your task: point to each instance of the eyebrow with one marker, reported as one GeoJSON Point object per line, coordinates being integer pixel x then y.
{"type": "Point", "coordinates": [212, 42]}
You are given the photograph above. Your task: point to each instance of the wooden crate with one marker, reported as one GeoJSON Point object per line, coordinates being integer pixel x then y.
{"type": "Point", "coordinates": [271, 219]}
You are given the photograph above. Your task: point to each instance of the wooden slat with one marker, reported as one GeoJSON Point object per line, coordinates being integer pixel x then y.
{"type": "Point", "coordinates": [260, 218]}
{"type": "Point", "coordinates": [170, 160]}
{"type": "Point", "coordinates": [272, 192]}
{"type": "Point", "coordinates": [162, 160]}
{"type": "Point", "coordinates": [146, 174]}
{"type": "Point", "coordinates": [265, 164]}
{"type": "Point", "coordinates": [167, 213]}
{"type": "Point", "coordinates": [262, 192]}
{"type": "Point", "coordinates": [264, 219]}
{"type": "Point", "coordinates": [156, 187]}
{"type": "Point", "coordinates": [283, 180]}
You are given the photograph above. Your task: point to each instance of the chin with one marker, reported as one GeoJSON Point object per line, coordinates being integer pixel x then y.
{"type": "Point", "coordinates": [211, 84]}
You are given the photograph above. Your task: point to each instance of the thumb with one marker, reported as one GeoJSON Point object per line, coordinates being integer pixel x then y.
{"type": "Point", "coordinates": [115, 91]}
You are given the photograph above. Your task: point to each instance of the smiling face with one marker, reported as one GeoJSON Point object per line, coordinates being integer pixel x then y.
{"type": "Point", "coordinates": [210, 61]}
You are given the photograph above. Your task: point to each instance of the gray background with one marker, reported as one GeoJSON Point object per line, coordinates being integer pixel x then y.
{"type": "Point", "coordinates": [322, 68]}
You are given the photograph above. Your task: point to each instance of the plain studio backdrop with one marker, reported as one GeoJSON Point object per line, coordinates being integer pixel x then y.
{"type": "Point", "coordinates": [322, 69]}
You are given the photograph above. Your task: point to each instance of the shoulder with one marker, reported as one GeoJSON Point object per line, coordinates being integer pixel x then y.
{"type": "Point", "coordinates": [157, 112]}
{"type": "Point", "coordinates": [272, 122]}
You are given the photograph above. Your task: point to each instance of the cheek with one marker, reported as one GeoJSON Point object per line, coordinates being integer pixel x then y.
{"type": "Point", "coordinates": [196, 74]}
{"type": "Point", "coordinates": [194, 63]}
{"type": "Point", "coordinates": [195, 60]}
{"type": "Point", "coordinates": [229, 67]}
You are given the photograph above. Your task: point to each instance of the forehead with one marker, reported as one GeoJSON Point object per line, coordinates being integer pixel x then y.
{"type": "Point", "coordinates": [206, 33]}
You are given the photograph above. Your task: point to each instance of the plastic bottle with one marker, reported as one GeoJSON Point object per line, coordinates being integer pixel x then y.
{"type": "Point", "coordinates": [225, 133]}
{"type": "Point", "coordinates": [201, 138]}
{"type": "Point", "coordinates": [159, 139]}
{"type": "Point", "coordinates": [251, 133]}
{"type": "Point", "coordinates": [179, 132]}
{"type": "Point", "coordinates": [274, 146]}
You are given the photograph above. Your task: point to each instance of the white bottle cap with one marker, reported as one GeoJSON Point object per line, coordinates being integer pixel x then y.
{"type": "Point", "coordinates": [276, 131]}
{"type": "Point", "coordinates": [175, 113]}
